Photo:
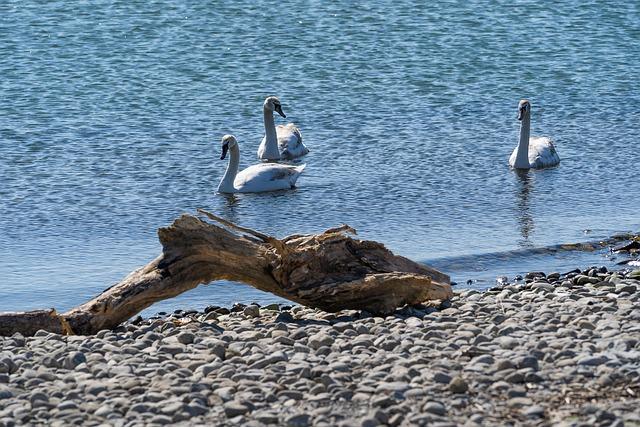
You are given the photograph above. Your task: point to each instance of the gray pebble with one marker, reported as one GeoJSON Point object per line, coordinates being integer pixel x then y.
{"type": "Point", "coordinates": [535, 411]}
{"type": "Point", "coordinates": [320, 340]}
{"type": "Point", "coordinates": [458, 385]}
{"type": "Point", "coordinates": [232, 409]}
{"type": "Point", "coordinates": [185, 338]}
{"type": "Point", "coordinates": [299, 420]}
{"type": "Point", "coordinates": [251, 311]}
{"type": "Point", "coordinates": [434, 408]}
{"type": "Point", "coordinates": [74, 360]}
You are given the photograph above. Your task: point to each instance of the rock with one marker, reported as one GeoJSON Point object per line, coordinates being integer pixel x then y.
{"type": "Point", "coordinates": [582, 280]}
{"type": "Point", "coordinates": [232, 409]}
{"type": "Point", "coordinates": [369, 421]}
{"type": "Point", "coordinates": [532, 377]}
{"type": "Point", "coordinates": [592, 360]}
{"type": "Point", "coordinates": [534, 275]}
{"type": "Point", "coordinates": [73, 360]}
{"type": "Point", "coordinates": [535, 411]}
{"type": "Point", "coordinates": [5, 393]}
{"type": "Point", "coordinates": [161, 419]}
{"type": "Point", "coordinates": [380, 401]}
{"type": "Point", "coordinates": [542, 286]}
{"type": "Point", "coordinates": [436, 408]}
{"type": "Point", "coordinates": [624, 287]}
{"type": "Point", "coordinates": [171, 349]}
{"type": "Point", "coordinates": [284, 317]}
{"type": "Point", "coordinates": [527, 362]}
{"type": "Point", "coordinates": [519, 402]}
{"type": "Point", "coordinates": [484, 359]}
{"type": "Point", "coordinates": [458, 385]}
{"type": "Point", "coordinates": [414, 322]}
{"type": "Point", "coordinates": [298, 420]}
{"type": "Point", "coordinates": [251, 311]}
{"type": "Point", "coordinates": [185, 338]}
{"type": "Point", "coordinates": [211, 308]}
{"type": "Point", "coordinates": [507, 342]}
{"type": "Point", "coordinates": [502, 365]}
{"type": "Point", "coordinates": [211, 317]}
{"type": "Point", "coordinates": [320, 340]}
{"type": "Point", "coordinates": [515, 378]}
{"type": "Point", "coordinates": [103, 411]}
{"type": "Point", "coordinates": [441, 377]}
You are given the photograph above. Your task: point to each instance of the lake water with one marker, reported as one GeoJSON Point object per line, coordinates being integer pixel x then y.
{"type": "Point", "coordinates": [111, 115]}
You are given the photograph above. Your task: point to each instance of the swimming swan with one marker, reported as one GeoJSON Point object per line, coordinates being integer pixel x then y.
{"type": "Point", "coordinates": [279, 142]}
{"type": "Point", "coordinates": [256, 178]}
{"type": "Point", "coordinates": [532, 152]}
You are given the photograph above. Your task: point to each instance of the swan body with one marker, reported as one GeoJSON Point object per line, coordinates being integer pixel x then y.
{"type": "Point", "coordinates": [532, 152]}
{"type": "Point", "coordinates": [283, 142]}
{"type": "Point", "coordinates": [257, 178]}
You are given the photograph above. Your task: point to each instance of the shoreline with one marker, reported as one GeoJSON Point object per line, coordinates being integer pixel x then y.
{"type": "Point", "coordinates": [557, 350]}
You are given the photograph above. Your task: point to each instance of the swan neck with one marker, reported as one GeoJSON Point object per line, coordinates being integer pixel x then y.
{"type": "Point", "coordinates": [522, 157]}
{"type": "Point", "coordinates": [271, 137]}
{"type": "Point", "coordinates": [226, 184]}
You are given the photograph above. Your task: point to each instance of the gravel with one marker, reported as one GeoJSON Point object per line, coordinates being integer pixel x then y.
{"type": "Point", "coordinates": [554, 349]}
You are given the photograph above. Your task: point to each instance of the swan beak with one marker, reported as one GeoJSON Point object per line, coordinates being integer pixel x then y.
{"type": "Point", "coordinates": [520, 113]}
{"type": "Point", "coordinates": [278, 108]}
{"type": "Point", "coordinates": [225, 148]}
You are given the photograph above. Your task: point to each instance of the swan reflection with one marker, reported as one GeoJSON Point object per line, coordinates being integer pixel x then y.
{"type": "Point", "coordinates": [524, 218]}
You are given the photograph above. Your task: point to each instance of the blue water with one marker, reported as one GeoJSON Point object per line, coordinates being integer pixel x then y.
{"type": "Point", "coordinates": [111, 114]}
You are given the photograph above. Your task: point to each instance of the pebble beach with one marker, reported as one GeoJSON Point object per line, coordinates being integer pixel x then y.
{"type": "Point", "coordinates": [551, 349]}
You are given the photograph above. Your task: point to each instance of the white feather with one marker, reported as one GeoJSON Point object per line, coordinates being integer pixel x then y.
{"type": "Point", "coordinates": [532, 152]}
{"type": "Point", "coordinates": [282, 142]}
{"type": "Point", "coordinates": [267, 177]}
{"type": "Point", "coordinates": [542, 153]}
{"type": "Point", "coordinates": [257, 178]}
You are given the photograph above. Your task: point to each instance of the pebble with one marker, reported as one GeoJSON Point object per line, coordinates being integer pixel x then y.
{"type": "Point", "coordinates": [534, 411]}
{"type": "Point", "coordinates": [458, 385]}
{"type": "Point", "coordinates": [232, 409]}
{"type": "Point", "coordinates": [185, 338]}
{"type": "Point", "coordinates": [434, 408]}
{"type": "Point", "coordinates": [251, 311]}
{"type": "Point", "coordinates": [299, 420]}
{"type": "Point", "coordinates": [320, 340]}
{"type": "Point", "coordinates": [490, 358]}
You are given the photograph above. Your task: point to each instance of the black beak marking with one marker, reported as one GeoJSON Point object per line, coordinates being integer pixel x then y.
{"type": "Point", "coordinates": [225, 148]}
{"type": "Point", "coordinates": [278, 108]}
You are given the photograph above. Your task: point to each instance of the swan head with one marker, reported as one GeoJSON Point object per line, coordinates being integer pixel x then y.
{"type": "Point", "coordinates": [272, 103]}
{"type": "Point", "coordinates": [228, 141]}
{"type": "Point", "coordinates": [524, 109]}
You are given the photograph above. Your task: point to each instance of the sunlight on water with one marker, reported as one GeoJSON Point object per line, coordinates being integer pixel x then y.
{"type": "Point", "coordinates": [112, 113]}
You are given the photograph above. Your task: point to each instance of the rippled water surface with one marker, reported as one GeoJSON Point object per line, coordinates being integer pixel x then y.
{"type": "Point", "coordinates": [111, 114]}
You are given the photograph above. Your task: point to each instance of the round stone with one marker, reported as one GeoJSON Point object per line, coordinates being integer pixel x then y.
{"type": "Point", "coordinates": [458, 385]}
{"type": "Point", "coordinates": [185, 337]}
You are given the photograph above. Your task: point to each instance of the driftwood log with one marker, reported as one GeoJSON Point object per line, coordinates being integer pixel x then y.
{"type": "Point", "coordinates": [330, 271]}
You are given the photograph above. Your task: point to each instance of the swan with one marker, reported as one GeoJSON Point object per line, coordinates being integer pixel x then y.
{"type": "Point", "coordinates": [279, 142]}
{"type": "Point", "coordinates": [532, 152]}
{"type": "Point", "coordinates": [256, 178]}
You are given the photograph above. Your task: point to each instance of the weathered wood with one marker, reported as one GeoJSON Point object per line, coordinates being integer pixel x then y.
{"type": "Point", "coordinates": [330, 271]}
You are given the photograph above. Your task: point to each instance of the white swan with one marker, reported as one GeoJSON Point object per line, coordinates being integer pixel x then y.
{"type": "Point", "coordinates": [279, 142]}
{"type": "Point", "coordinates": [532, 152]}
{"type": "Point", "coordinates": [256, 178]}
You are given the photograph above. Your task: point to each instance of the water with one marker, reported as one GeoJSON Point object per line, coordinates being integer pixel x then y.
{"type": "Point", "coordinates": [111, 114]}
